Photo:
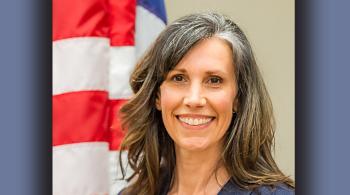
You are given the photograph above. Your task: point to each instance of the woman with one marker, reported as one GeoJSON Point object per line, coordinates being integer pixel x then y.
{"type": "Point", "coordinates": [201, 119]}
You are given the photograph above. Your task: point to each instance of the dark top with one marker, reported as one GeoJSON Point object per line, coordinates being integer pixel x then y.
{"type": "Point", "coordinates": [230, 188]}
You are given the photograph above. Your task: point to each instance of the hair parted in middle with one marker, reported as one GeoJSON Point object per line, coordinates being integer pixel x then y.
{"type": "Point", "coordinates": [248, 144]}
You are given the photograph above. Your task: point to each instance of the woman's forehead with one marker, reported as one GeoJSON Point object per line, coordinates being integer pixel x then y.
{"type": "Point", "coordinates": [214, 54]}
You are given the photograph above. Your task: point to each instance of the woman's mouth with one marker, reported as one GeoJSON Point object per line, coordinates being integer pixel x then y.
{"type": "Point", "coordinates": [195, 120]}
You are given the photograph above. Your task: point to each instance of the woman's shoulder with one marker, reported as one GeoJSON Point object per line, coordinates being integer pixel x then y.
{"type": "Point", "coordinates": [280, 189]}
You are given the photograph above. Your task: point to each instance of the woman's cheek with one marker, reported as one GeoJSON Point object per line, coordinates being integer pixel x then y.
{"type": "Point", "coordinates": [170, 96]}
{"type": "Point", "coordinates": [223, 100]}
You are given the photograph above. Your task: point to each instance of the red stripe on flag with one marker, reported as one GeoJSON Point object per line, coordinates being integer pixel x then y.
{"type": "Point", "coordinates": [116, 132]}
{"type": "Point", "coordinates": [80, 117]}
{"type": "Point", "coordinates": [122, 22]}
{"type": "Point", "coordinates": [76, 18]}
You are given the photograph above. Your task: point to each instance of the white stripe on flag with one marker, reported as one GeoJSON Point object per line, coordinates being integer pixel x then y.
{"type": "Point", "coordinates": [83, 164]}
{"type": "Point", "coordinates": [121, 65]}
{"type": "Point", "coordinates": [115, 172]}
{"type": "Point", "coordinates": [80, 64]}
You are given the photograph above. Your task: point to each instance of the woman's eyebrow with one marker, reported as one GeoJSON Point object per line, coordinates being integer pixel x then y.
{"type": "Point", "coordinates": [209, 72]}
{"type": "Point", "coordinates": [215, 72]}
{"type": "Point", "coordinates": [179, 70]}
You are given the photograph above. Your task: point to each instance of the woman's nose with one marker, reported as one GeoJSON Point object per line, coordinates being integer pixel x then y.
{"type": "Point", "coordinates": [195, 97]}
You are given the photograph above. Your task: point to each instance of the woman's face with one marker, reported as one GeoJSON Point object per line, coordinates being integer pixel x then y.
{"type": "Point", "coordinates": [199, 95]}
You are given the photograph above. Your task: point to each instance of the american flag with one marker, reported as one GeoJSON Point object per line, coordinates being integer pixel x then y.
{"type": "Point", "coordinates": [95, 45]}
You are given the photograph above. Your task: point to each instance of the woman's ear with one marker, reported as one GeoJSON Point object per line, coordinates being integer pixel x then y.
{"type": "Point", "coordinates": [158, 102]}
{"type": "Point", "coordinates": [235, 105]}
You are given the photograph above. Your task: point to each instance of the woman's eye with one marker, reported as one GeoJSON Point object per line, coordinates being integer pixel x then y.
{"type": "Point", "coordinates": [215, 80]}
{"type": "Point", "coordinates": [178, 78]}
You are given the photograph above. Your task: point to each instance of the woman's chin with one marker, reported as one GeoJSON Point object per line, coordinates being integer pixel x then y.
{"type": "Point", "coordinates": [194, 144]}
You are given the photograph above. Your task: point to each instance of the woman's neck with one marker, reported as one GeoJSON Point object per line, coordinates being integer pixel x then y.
{"type": "Point", "coordinates": [198, 172]}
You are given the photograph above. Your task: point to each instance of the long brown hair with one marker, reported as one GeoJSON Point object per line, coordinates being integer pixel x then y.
{"type": "Point", "coordinates": [249, 142]}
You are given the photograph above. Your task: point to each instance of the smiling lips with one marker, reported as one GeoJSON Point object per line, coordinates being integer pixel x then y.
{"type": "Point", "coordinates": [195, 121]}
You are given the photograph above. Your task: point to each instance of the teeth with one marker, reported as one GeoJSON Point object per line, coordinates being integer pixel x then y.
{"type": "Point", "coordinates": [195, 121]}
